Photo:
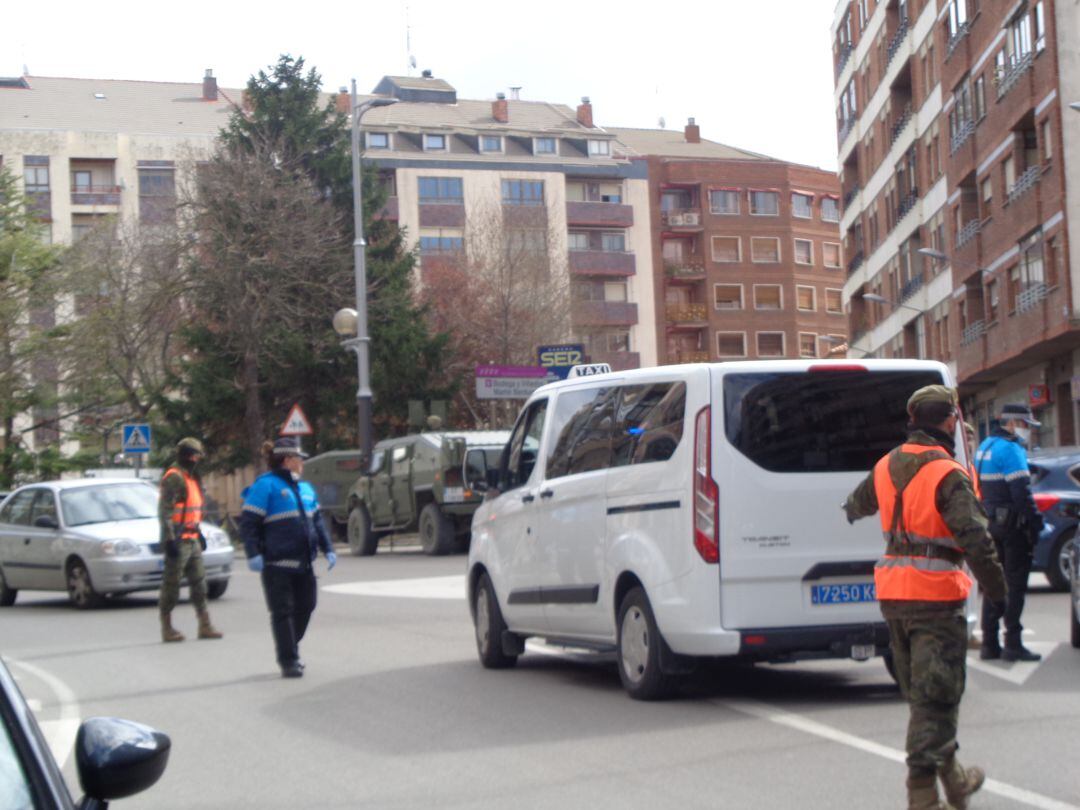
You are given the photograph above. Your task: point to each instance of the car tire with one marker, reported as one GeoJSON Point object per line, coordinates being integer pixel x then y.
{"type": "Point", "coordinates": [1074, 622]}
{"type": "Point", "coordinates": [363, 540]}
{"type": "Point", "coordinates": [436, 531]}
{"type": "Point", "coordinates": [7, 595]}
{"type": "Point", "coordinates": [638, 649]}
{"type": "Point", "coordinates": [1057, 565]}
{"type": "Point", "coordinates": [489, 625]}
{"type": "Point", "coordinates": [79, 587]}
{"type": "Point", "coordinates": [215, 588]}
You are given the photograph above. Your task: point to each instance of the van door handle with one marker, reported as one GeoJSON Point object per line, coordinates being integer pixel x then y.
{"type": "Point", "coordinates": [528, 498]}
{"type": "Point", "coordinates": [547, 493]}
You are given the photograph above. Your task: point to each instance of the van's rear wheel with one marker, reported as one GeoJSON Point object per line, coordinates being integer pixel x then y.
{"type": "Point", "coordinates": [362, 539]}
{"type": "Point", "coordinates": [436, 531]}
{"type": "Point", "coordinates": [639, 644]}
{"type": "Point", "coordinates": [489, 627]}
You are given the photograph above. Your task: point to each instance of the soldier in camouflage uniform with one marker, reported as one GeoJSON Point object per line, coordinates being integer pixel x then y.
{"type": "Point", "coordinates": [180, 509]}
{"type": "Point", "coordinates": [927, 626]}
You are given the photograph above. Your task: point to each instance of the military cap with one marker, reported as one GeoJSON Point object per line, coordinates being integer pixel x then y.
{"type": "Point", "coordinates": [190, 444]}
{"type": "Point", "coordinates": [931, 393]}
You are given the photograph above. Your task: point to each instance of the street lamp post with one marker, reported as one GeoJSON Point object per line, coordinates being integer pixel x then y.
{"type": "Point", "coordinates": [354, 323]}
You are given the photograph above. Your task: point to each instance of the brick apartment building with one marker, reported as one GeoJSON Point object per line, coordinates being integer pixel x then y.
{"type": "Point", "coordinates": [954, 135]}
{"type": "Point", "coordinates": [748, 248]}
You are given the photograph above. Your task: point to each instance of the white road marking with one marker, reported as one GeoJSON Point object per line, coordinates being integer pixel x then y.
{"type": "Point", "coordinates": [1016, 672]}
{"type": "Point", "coordinates": [59, 733]}
{"type": "Point", "coordinates": [452, 587]}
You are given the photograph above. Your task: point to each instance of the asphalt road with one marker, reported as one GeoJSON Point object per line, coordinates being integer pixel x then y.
{"type": "Point", "coordinates": [395, 712]}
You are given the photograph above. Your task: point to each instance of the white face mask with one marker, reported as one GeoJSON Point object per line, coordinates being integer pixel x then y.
{"type": "Point", "coordinates": [1024, 434]}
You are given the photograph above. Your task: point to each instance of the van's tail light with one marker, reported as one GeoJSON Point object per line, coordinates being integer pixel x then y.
{"type": "Point", "coordinates": [1046, 500]}
{"type": "Point", "coordinates": [706, 492]}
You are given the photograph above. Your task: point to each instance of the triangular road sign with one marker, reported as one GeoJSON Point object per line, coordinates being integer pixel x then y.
{"type": "Point", "coordinates": [296, 424]}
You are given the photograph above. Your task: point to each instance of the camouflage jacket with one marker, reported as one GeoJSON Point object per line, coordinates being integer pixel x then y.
{"type": "Point", "coordinates": [173, 490]}
{"type": "Point", "coordinates": [960, 510]}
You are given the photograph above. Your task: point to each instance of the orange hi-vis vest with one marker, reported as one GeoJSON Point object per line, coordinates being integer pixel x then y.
{"type": "Point", "coordinates": [922, 561]}
{"type": "Point", "coordinates": [189, 513]}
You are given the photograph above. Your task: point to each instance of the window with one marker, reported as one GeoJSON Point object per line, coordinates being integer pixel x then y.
{"type": "Point", "coordinates": [578, 240]}
{"type": "Point", "coordinates": [726, 249]}
{"type": "Point", "coordinates": [1047, 141]}
{"type": "Point", "coordinates": [768, 296]}
{"type": "Point", "coordinates": [17, 510]}
{"type": "Point", "coordinates": [830, 254]}
{"type": "Point", "coordinates": [804, 251]}
{"type": "Point", "coordinates": [436, 244]}
{"type": "Point", "coordinates": [378, 140]}
{"type": "Point", "coordinates": [724, 201]}
{"type": "Point", "coordinates": [599, 148]}
{"type": "Point", "coordinates": [544, 146]}
{"type": "Point", "coordinates": [764, 203]}
{"type": "Point", "coordinates": [807, 344]}
{"type": "Point", "coordinates": [81, 180]}
{"type": "Point", "coordinates": [157, 194]}
{"type": "Point", "coordinates": [519, 457]}
{"type": "Point", "coordinates": [36, 179]}
{"type": "Point", "coordinates": [770, 344]}
{"type": "Point", "coordinates": [1039, 21]}
{"type": "Point", "coordinates": [1008, 172]}
{"type": "Point", "coordinates": [830, 209]}
{"type": "Point", "coordinates": [523, 192]}
{"type": "Point", "coordinates": [440, 190]}
{"type": "Point", "coordinates": [728, 296]}
{"type": "Point", "coordinates": [806, 298]}
{"type": "Point", "coordinates": [980, 97]}
{"type": "Point", "coordinates": [15, 786]}
{"type": "Point", "coordinates": [992, 301]}
{"type": "Point", "coordinates": [599, 290]}
{"type": "Point", "coordinates": [434, 143]}
{"type": "Point", "coordinates": [731, 344]}
{"type": "Point", "coordinates": [648, 423]}
{"type": "Point", "coordinates": [1031, 260]}
{"type": "Point", "coordinates": [491, 143]}
{"type": "Point", "coordinates": [958, 16]}
{"type": "Point", "coordinates": [833, 301]}
{"type": "Point", "coordinates": [524, 242]}
{"type": "Point", "coordinates": [764, 249]}
{"type": "Point", "coordinates": [986, 189]}
{"type": "Point", "coordinates": [802, 205]}
{"type": "Point", "coordinates": [613, 242]}
{"type": "Point", "coordinates": [583, 420]}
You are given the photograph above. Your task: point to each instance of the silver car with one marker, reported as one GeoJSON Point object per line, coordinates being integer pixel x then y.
{"type": "Point", "coordinates": [92, 538]}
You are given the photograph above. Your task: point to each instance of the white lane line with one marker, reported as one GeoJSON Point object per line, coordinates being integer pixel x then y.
{"type": "Point", "coordinates": [452, 587]}
{"type": "Point", "coordinates": [59, 733]}
{"type": "Point", "coordinates": [1016, 672]}
{"type": "Point", "coordinates": [763, 711]}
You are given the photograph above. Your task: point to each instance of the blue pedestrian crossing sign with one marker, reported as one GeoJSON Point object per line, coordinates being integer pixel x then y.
{"type": "Point", "coordinates": [136, 438]}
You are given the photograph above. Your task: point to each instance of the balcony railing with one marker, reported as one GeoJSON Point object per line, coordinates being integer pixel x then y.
{"type": "Point", "coordinates": [850, 195]}
{"type": "Point", "coordinates": [855, 263]}
{"type": "Point", "coordinates": [845, 130]}
{"type": "Point", "coordinates": [956, 38]}
{"type": "Point", "coordinates": [95, 195]}
{"type": "Point", "coordinates": [685, 270]}
{"type": "Point", "coordinates": [967, 129]}
{"type": "Point", "coordinates": [607, 214]}
{"type": "Point", "coordinates": [1008, 78]}
{"type": "Point", "coordinates": [602, 262]}
{"type": "Point", "coordinates": [897, 41]}
{"type": "Point", "coordinates": [687, 313]}
{"type": "Point", "coordinates": [843, 57]}
{"type": "Point", "coordinates": [973, 332]}
{"type": "Point", "coordinates": [1024, 183]}
{"type": "Point", "coordinates": [906, 205]}
{"type": "Point", "coordinates": [1031, 297]}
{"type": "Point", "coordinates": [901, 122]}
{"type": "Point", "coordinates": [681, 218]}
{"type": "Point", "coordinates": [968, 232]}
{"type": "Point", "coordinates": [604, 313]}
{"type": "Point", "coordinates": [911, 287]}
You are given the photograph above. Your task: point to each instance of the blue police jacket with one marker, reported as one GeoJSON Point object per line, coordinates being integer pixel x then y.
{"type": "Point", "coordinates": [1004, 478]}
{"type": "Point", "coordinates": [273, 524]}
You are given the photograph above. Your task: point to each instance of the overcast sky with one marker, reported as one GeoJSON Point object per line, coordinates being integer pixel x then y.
{"type": "Point", "coordinates": [755, 74]}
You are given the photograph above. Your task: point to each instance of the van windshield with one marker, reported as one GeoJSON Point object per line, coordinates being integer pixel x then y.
{"type": "Point", "coordinates": [819, 421]}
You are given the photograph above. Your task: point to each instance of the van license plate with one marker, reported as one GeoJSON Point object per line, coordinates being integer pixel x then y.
{"type": "Point", "coordinates": [453, 494]}
{"type": "Point", "coordinates": [842, 593]}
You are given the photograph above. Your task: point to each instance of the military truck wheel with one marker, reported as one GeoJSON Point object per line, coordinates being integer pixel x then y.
{"type": "Point", "coordinates": [362, 539]}
{"type": "Point", "coordinates": [436, 531]}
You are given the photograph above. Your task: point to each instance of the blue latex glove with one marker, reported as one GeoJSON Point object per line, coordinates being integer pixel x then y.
{"type": "Point", "coordinates": [331, 560]}
{"type": "Point", "coordinates": [255, 563]}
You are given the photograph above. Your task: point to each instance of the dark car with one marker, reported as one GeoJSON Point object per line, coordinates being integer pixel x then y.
{"type": "Point", "coordinates": [1074, 594]}
{"type": "Point", "coordinates": [1055, 486]}
{"type": "Point", "coordinates": [115, 758]}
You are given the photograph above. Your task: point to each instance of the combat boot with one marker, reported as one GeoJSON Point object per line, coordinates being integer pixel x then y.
{"type": "Point", "coordinates": [168, 632]}
{"type": "Point", "coordinates": [207, 630]}
{"type": "Point", "coordinates": [922, 794]}
{"type": "Point", "coordinates": [960, 783]}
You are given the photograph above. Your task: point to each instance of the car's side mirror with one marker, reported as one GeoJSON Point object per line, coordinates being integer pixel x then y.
{"type": "Point", "coordinates": [117, 758]}
{"type": "Point", "coordinates": [46, 522]}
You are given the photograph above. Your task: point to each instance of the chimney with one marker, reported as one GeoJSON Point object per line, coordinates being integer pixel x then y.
{"type": "Point", "coordinates": [426, 74]}
{"type": "Point", "coordinates": [209, 86]}
{"type": "Point", "coordinates": [500, 109]}
{"type": "Point", "coordinates": [515, 93]}
{"type": "Point", "coordinates": [692, 131]}
{"type": "Point", "coordinates": [341, 100]}
{"type": "Point", "coordinates": [584, 112]}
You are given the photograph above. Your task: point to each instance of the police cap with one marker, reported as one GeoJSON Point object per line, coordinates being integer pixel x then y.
{"type": "Point", "coordinates": [931, 393]}
{"type": "Point", "coordinates": [191, 445]}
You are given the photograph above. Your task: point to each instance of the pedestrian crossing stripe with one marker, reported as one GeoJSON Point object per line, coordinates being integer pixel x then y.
{"type": "Point", "coordinates": [136, 438]}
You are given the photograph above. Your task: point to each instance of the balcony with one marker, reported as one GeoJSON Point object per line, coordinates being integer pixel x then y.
{"type": "Point", "coordinates": [602, 263]}
{"type": "Point", "coordinates": [906, 205]}
{"type": "Point", "coordinates": [901, 123]}
{"type": "Point", "coordinates": [442, 215]}
{"type": "Point", "coordinates": [1031, 297]}
{"type": "Point", "coordinates": [845, 130]}
{"type": "Point", "coordinates": [855, 263]}
{"type": "Point", "coordinates": [897, 41]}
{"type": "Point", "coordinates": [968, 232]}
{"type": "Point", "coordinates": [682, 219]}
{"type": "Point", "coordinates": [610, 215]}
{"type": "Point", "coordinates": [961, 32]}
{"type": "Point", "coordinates": [619, 361]}
{"type": "Point", "coordinates": [843, 57]}
{"type": "Point", "coordinates": [1008, 78]}
{"type": "Point", "coordinates": [850, 195]}
{"type": "Point", "coordinates": [1024, 183]}
{"type": "Point", "coordinates": [911, 287]}
{"type": "Point", "coordinates": [687, 316]}
{"type": "Point", "coordinates": [389, 210]}
{"type": "Point", "coordinates": [604, 313]}
{"type": "Point", "coordinates": [967, 129]}
{"type": "Point", "coordinates": [684, 270]}
{"type": "Point", "coordinates": [95, 195]}
{"type": "Point", "coordinates": [973, 332]}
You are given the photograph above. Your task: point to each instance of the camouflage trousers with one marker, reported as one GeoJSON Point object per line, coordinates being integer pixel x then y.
{"type": "Point", "coordinates": [930, 654]}
{"type": "Point", "coordinates": [188, 563]}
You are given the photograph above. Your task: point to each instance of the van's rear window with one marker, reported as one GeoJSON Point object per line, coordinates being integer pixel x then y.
{"type": "Point", "coordinates": [821, 421]}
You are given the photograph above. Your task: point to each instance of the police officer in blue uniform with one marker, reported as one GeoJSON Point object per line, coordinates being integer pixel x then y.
{"type": "Point", "coordinates": [1002, 466]}
{"type": "Point", "coordinates": [283, 533]}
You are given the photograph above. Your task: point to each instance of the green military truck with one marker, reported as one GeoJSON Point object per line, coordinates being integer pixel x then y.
{"type": "Point", "coordinates": [333, 475]}
{"type": "Point", "coordinates": [422, 483]}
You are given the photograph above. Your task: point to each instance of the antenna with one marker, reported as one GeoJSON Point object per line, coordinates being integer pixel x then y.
{"type": "Point", "coordinates": [408, 43]}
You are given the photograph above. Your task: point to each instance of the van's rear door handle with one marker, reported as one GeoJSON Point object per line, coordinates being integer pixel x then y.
{"type": "Point", "coordinates": [528, 498]}
{"type": "Point", "coordinates": [547, 493]}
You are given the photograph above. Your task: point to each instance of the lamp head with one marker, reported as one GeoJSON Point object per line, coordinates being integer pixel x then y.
{"type": "Point", "coordinates": [345, 322]}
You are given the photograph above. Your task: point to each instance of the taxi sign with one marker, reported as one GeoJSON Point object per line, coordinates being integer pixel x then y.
{"type": "Point", "coordinates": [589, 370]}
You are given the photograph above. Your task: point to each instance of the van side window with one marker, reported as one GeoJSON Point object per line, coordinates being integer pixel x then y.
{"type": "Point", "coordinates": [649, 423]}
{"type": "Point", "coordinates": [523, 447]}
{"type": "Point", "coordinates": [583, 421]}
{"type": "Point", "coordinates": [399, 461]}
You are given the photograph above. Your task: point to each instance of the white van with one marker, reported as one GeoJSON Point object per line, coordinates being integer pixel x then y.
{"type": "Point", "coordinates": [692, 511]}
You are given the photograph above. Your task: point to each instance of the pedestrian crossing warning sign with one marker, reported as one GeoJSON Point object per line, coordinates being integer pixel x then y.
{"type": "Point", "coordinates": [296, 424]}
{"type": "Point", "coordinates": [136, 438]}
